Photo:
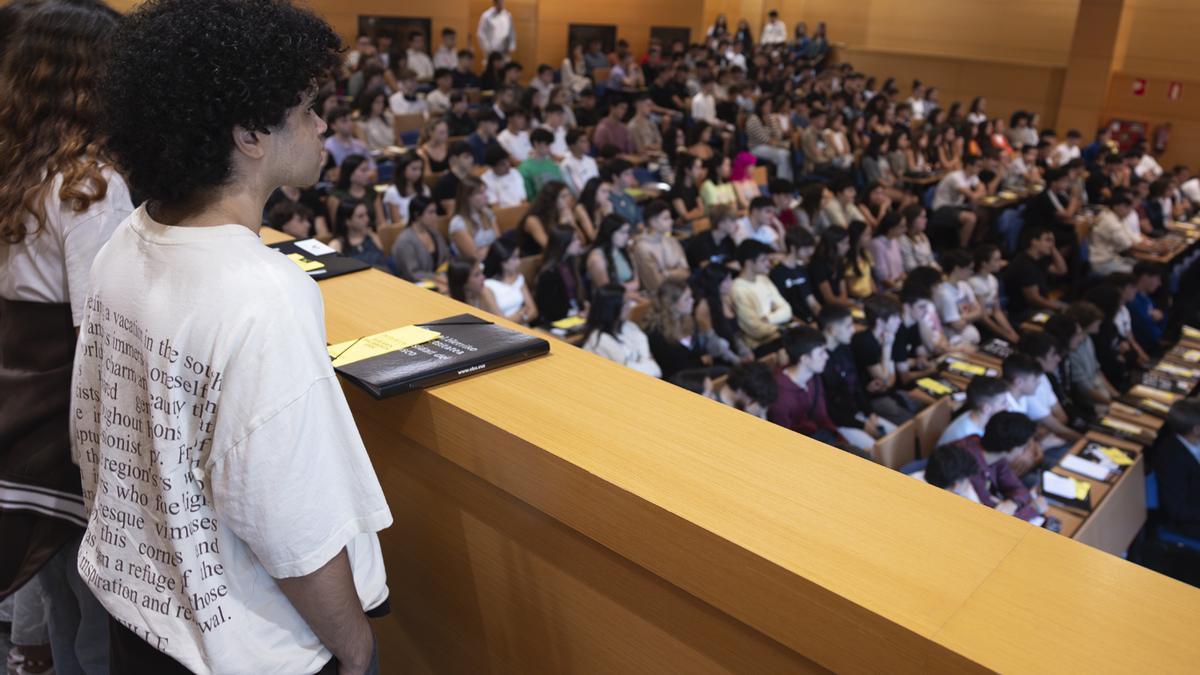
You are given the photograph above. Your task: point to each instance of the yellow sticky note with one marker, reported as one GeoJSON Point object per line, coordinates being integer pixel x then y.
{"type": "Point", "coordinates": [1082, 489]}
{"type": "Point", "coordinates": [1172, 369]}
{"type": "Point", "coordinates": [1119, 458]}
{"type": "Point", "coordinates": [858, 314]}
{"type": "Point", "coordinates": [1155, 405]}
{"type": "Point", "coordinates": [1123, 426]}
{"type": "Point", "coordinates": [1190, 332]}
{"type": "Point", "coordinates": [967, 368]}
{"type": "Point", "coordinates": [933, 386]}
{"type": "Point", "coordinates": [569, 322]}
{"type": "Point", "coordinates": [364, 348]}
{"type": "Point", "coordinates": [1191, 355]}
{"type": "Point", "coordinates": [304, 263]}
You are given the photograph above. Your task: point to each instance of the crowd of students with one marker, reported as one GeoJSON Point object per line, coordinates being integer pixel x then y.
{"type": "Point", "coordinates": [876, 205]}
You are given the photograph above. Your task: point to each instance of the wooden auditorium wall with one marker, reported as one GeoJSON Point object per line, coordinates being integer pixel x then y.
{"type": "Point", "coordinates": [633, 18]}
{"type": "Point", "coordinates": [1157, 36]}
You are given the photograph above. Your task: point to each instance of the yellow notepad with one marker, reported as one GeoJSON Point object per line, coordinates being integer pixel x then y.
{"type": "Point", "coordinates": [1082, 489]}
{"type": "Point", "coordinates": [858, 314]}
{"type": "Point", "coordinates": [933, 386]}
{"type": "Point", "coordinates": [1186, 373]}
{"type": "Point", "coordinates": [373, 345]}
{"type": "Point", "coordinates": [1119, 458]}
{"type": "Point", "coordinates": [1123, 426]}
{"type": "Point", "coordinates": [304, 263]}
{"type": "Point", "coordinates": [1190, 332]}
{"type": "Point", "coordinates": [569, 322]}
{"type": "Point", "coordinates": [1155, 405]}
{"type": "Point", "coordinates": [1191, 355]}
{"type": "Point", "coordinates": [966, 367]}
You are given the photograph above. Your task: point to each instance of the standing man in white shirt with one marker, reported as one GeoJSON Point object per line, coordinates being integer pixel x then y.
{"type": "Point", "coordinates": [496, 31]}
{"type": "Point", "coordinates": [446, 55]}
{"type": "Point", "coordinates": [774, 32]}
{"type": "Point", "coordinates": [418, 59]}
{"type": "Point", "coordinates": [232, 509]}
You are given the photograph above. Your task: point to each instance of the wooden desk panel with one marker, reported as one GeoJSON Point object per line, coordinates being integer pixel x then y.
{"type": "Point", "coordinates": [567, 506]}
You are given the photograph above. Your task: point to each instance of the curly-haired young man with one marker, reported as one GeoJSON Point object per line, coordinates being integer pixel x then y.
{"type": "Point", "coordinates": [232, 508]}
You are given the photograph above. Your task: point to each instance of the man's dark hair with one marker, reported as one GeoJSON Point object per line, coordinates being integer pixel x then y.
{"type": "Point", "coordinates": [1039, 344]}
{"type": "Point", "coordinates": [1032, 232]}
{"type": "Point", "coordinates": [494, 155]}
{"type": "Point", "coordinates": [337, 113]}
{"type": "Point", "coordinates": [800, 342]}
{"type": "Point", "coordinates": [948, 465]}
{"type": "Point", "coordinates": [954, 259]}
{"type": "Point", "coordinates": [1085, 313]}
{"type": "Point", "coordinates": [540, 135]}
{"type": "Point", "coordinates": [182, 74]}
{"type": "Point", "coordinates": [1184, 416]}
{"type": "Point", "coordinates": [750, 249]}
{"type": "Point", "coordinates": [439, 73]}
{"type": "Point", "coordinates": [831, 314]}
{"type": "Point", "coordinates": [756, 381]}
{"type": "Point", "coordinates": [798, 238]}
{"type": "Point", "coordinates": [761, 203]}
{"type": "Point", "coordinates": [1020, 365]}
{"type": "Point", "coordinates": [458, 149]}
{"type": "Point", "coordinates": [575, 134]}
{"type": "Point", "coordinates": [1007, 430]}
{"type": "Point", "coordinates": [448, 31]}
{"type": "Point", "coordinates": [781, 186]}
{"type": "Point", "coordinates": [1063, 328]}
{"type": "Point", "coordinates": [982, 388]}
{"type": "Point", "coordinates": [653, 208]}
{"type": "Point", "coordinates": [488, 116]}
{"type": "Point", "coordinates": [878, 308]}
{"type": "Point", "coordinates": [1145, 268]}
{"type": "Point", "coordinates": [615, 168]}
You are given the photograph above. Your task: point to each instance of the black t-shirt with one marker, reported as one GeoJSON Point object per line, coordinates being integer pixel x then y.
{"type": "Point", "coordinates": [460, 125]}
{"type": "Point", "coordinates": [844, 395]}
{"type": "Point", "coordinates": [703, 249]}
{"type": "Point", "coordinates": [1042, 211]}
{"type": "Point", "coordinates": [587, 117]}
{"type": "Point", "coordinates": [446, 187]}
{"type": "Point", "coordinates": [1020, 274]}
{"type": "Point", "coordinates": [820, 271]}
{"type": "Point", "coordinates": [867, 350]}
{"type": "Point", "coordinates": [689, 194]}
{"type": "Point", "coordinates": [793, 284]}
{"type": "Point", "coordinates": [661, 95]}
{"type": "Point", "coordinates": [908, 341]}
{"type": "Point", "coordinates": [465, 80]}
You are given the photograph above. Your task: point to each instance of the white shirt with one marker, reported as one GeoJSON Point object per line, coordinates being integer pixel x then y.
{"type": "Point", "coordinates": [496, 32]}
{"type": "Point", "coordinates": [438, 102]}
{"type": "Point", "coordinates": [421, 64]}
{"type": "Point", "coordinates": [52, 264]}
{"type": "Point", "coordinates": [1191, 190]}
{"type": "Point", "coordinates": [1133, 223]}
{"type": "Point", "coordinates": [1041, 404]}
{"type": "Point", "coordinates": [1064, 153]}
{"type": "Point", "coordinates": [391, 197]}
{"type": "Point", "coordinates": [964, 425]}
{"type": "Point", "coordinates": [445, 57]}
{"type": "Point", "coordinates": [559, 147]}
{"type": "Point", "coordinates": [402, 105]}
{"type": "Point", "coordinates": [986, 289]}
{"type": "Point", "coordinates": [704, 107]}
{"type": "Point", "coordinates": [918, 108]}
{"type": "Point", "coordinates": [773, 33]}
{"type": "Point", "coordinates": [629, 348]}
{"type": "Point", "coordinates": [1123, 322]}
{"type": "Point", "coordinates": [510, 298]}
{"type": "Point", "coordinates": [578, 171]}
{"type": "Point", "coordinates": [948, 191]}
{"type": "Point", "coordinates": [221, 454]}
{"type": "Point", "coordinates": [1147, 168]}
{"type": "Point", "coordinates": [517, 145]}
{"type": "Point", "coordinates": [504, 191]}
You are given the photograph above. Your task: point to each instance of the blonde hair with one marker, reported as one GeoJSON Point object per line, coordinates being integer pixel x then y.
{"type": "Point", "coordinates": [663, 317]}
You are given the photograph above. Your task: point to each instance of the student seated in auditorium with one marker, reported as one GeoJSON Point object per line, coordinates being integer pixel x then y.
{"type": "Point", "coordinates": [484, 138]}
{"type": "Point", "coordinates": [1056, 208]}
{"type": "Point", "coordinates": [915, 248]}
{"type": "Point", "coordinates": [715, 246]}
{"type": "Point", "coordinates": [1027, 277]}
{"type": "Point", "coordinates": [845, 390]}
{"type": "Point", "coordinates": [1127, 285]}
{"type": "Point", "coordinates": [1114, 353]}
{"type": "Point", "coordinates": [505, 186]}
{"type": "Point", "coordinates": [539, 168]}
{"type": "Point", "coordinates": [293, 219]}
{"type": "Point", "coordinates": [714, 310]}
{"type": "Point", "coordinates": [657, 255]}
{"type": "Point", "coordinates": [558, 287]}
{"type": "Point", "coordinates": [609, 260]}
{"type": "Point", "coordinates": [578, 167]}
{"type": "Point", "coordinates": [406, 101]}
{"type": "Point", "coordinates": [717, 190]}
{"type": "Point", "coordinates": [986, 396]}
{"type": "Point", "coordinates": [1148, 321]}
{"type": "Point", "coordinates": [957, 306]}
{"type": "Point", "coordinates": [913, 360]}
{"type": "Point", "coordinates": [762, 224]}
{"type": "Point", "coordinates": [1050, 395]}
{"type": "Point", "coordinates": [434, 146]}
{"type": "Point", "coordinates": [1023, 375]}
{"type": "Point", "coordinates": [917, 294]}
{"type": "Point", "coordinates": [473, 227]}
{"type": "Point", "coordinates": [421, 252]}
{"type": "Point", "coordinates": [342, 143]}
{"type": "Point", "coordinates": [619, 173]}
{"type": "Point", "coordinates": [611, 131]}
{"type": "Point", "coordinates": [553, 205]}
{"type": "Point", "coordinates": [1177, 466]}
{"type": "Point", "coordinates": [505, 286]}
{"type": "Point", "coordinates": [612, 335]}
{"type": "Point", "coordinates": [888, 259]}
{"type": "Point", "coordinates": [953, 221]}
{"type": "Point", "coordinates": [761, 311]}
{"type": "Point", "coordinates": [874, 351]}
{"type": "Point", "coordinates": [860, 279]}
{"type": "Point", "coordinates": [790, 276]}
{"type": "Point", "coordinates": [750, 387]}
{"type": "Point", "coordinates": [1086, 376]}
{"type": "Point", "coordinates": [842, 209]}
{"type": "Point", "coordinates": [827, 271]}
{"type": "Point", "coordinates": [464, 277]}
{"type": "Point", "coordinates": [1111, 243]}
{"type": "Point", "coordinates": [801, 405]}
{"type": "Point", "coordinates": [355, 176]}
{"type": "Point", "coordinates": [461, 160]}
{"type": "Point", "coordinates": [353, 237]}
{"type": "Point", "coordinates": [515, 136]}
{"type": "Point", "coordinates": [685, 193]}
{"type": "Point", "coordinates": [963, 467]}
{"type": "Point", "coordinates": [684, 353]}
{"type": "Point", "coordinates": [993, 321]}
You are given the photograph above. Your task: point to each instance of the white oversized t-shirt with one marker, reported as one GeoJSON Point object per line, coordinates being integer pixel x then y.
{"type": "Point", "coordinates": [216, 448]}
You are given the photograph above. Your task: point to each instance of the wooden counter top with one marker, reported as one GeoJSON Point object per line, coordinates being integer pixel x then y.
{"type": "Point", "coordinates": [854, 566]}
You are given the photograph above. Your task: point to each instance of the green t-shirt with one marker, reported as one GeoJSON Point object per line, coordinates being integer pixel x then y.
{"type": "Point", "coordinates": [538, 172]}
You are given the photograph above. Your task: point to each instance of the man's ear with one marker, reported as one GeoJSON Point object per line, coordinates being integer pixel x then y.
{"type": "Point", "coordinates": [249, 143]}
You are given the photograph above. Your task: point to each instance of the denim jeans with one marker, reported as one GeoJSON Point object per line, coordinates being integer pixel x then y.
{"type": "Point", "coordinates": [78, 622]}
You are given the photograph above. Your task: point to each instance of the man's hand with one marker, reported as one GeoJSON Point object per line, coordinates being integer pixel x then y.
{"type": "Point", "coordinates": [328, 602]}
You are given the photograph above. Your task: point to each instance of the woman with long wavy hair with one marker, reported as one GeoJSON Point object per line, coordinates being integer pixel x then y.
{"type": "Point", "coordinates": [61, 201]}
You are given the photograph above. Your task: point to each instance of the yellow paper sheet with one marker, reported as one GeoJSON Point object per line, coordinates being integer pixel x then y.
{"type": "Point", "coordinates": [1123, 426]}
{"type": "Point", "coordinates": [968, 368]}
{"type": "Point", "coordinates": [1119, 458]}
{"type": "Point", "coordinates": [569, 322]}
{"type": "Point", "coordinates": [933, 386]}
{"type": "Point", "coordinates": [1191, 355]}
{"type": "Point", "coordinates": [304, 263]}
{"type": "Point", "coordinates": [858, 314]}
{"type": "Point", "coordinates": [1172, 369]}
{"type": "Point", "coordinates": [1190, 332]}
{"type": "Point", "coordinates": [364, 348]}
{"type": "Point", "coordinates": [1082, 489]}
